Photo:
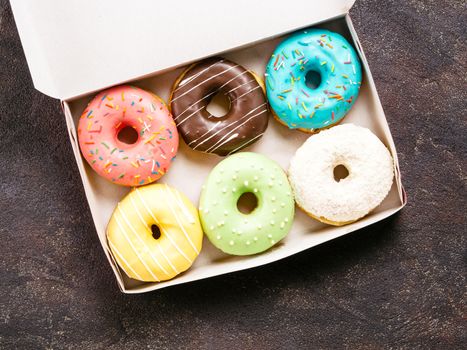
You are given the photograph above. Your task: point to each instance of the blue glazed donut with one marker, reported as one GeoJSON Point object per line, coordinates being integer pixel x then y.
{"type": "Point", "coordinates": [334, 74]}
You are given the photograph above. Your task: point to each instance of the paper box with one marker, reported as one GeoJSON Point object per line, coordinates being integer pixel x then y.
{"type": "Point", "coordinates": [75, 48]}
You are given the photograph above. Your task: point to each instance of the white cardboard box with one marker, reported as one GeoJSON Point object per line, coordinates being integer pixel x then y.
{"type": "Point", "coordinates": [75, 48]}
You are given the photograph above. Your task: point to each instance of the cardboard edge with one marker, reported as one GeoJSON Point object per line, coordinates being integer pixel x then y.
{"type": "Point", "coordinates": [89, 197]}
{"type": "Point", "coordinates": [338, 232]}
{"type": "Point", "coordinates": [379, 107]}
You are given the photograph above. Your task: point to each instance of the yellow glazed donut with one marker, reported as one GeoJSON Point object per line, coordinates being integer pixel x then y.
{"type": "Point", "coordinates": [154, 257]}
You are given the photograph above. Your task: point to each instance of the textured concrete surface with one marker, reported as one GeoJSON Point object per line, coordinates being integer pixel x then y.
{"type": "Point", "coordinates": [398, 284]}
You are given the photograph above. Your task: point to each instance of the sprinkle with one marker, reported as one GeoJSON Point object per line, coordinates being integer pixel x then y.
{"type": "Point", "coordinates": [285, 54]}
{"type": "Point", "coordinates": [329, 45]}
{"type": "Point", "coordinates": [134, 164]}
{"type": "Point", "coordinates": [118, 125]}
{"type": "Point", "coordinates": [332, 115]}
{"type": "Point", "coordinates": [89, 143]}
{"type": "Point", "coordinates": [287, 90]}
{"type": "Point", "coordinates": [290, 107]}
{"type": "Point", "coordinates": [318, 105]}
{"type": "Point", "coordinates": [345, 76]}
{"type": "Point", "coordinates": [304, 92]}
{"type": "Point", "coordinates": [109, 105]}
{"type": "Point", "coordinates": [150, 139]}
{"type": "Point", "coordinates": [300, 116]}
{"type": "Point", "coordinates": [97, 130]}
{"type": "Point", "coordinates": [312, 114]}
{"type": "Point", "coordinates": [304, 107]}
{"type": "Point", "coordinates": [277, 60]}
{"type": "Point", "coordinates": [89, 126]}
{"type": "Point", "coordinates": [324, 62]}
{"type": "Point", "coordinates": [280, 97]}
{"type": "Point", "coordinates": [268, 80]}
{"type": "Point", "coordinates": [332, 68]}
{"type": "Point", "coordinates": [345, 47]}
{"type": "Point", "coordinates": [105, 145]}
{"type": "Point", "coordinates": [121, 175]}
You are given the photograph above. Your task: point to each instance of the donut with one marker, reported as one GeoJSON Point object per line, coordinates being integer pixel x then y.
{"type": "Point", "coordinates": [154, 233]}
{"type": "Point", "coordinates": [246, 120]}
{"type": "Point", "coordinates": [312, 80]}
{"type": "Point", "coordinates": [225, 225]}
{"type": "Point", "coordinates": [115, 112]}
{"type": "Point", "coordinates": [339, 201]}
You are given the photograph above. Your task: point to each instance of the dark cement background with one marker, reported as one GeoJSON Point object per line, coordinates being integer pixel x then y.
{"type": "Point", "coordinates": [398, 284]}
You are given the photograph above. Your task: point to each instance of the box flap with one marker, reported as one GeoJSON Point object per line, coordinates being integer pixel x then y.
{"type": "Point", "coordinates": [79, 46]}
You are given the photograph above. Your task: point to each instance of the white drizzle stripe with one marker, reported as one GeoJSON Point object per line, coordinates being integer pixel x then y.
{"type": "Point", "coordinates": [245, 144]}
{"type": "Point", "coordinates": [180, 114]}
{"type": "Point", "coordinates": [192, 114]}
{"type": "Point", "coordinates": [207, 132]}
{"type": "Point", "coordinates": [225, 127]}
{"type": "Point", "coordinates": [185, 211]}
{"type": "Point", "coordinates": [177, 219]}
{"type": "Point", "coordinates": [120, 256]}
{"type": "Point", "coordinates": [131, 244]}
{"type": "Point", "coordinates": [212, 93]}
{"type": "Point", "coordinates": [145, 224]}
{"type": "Point", "coordinates": [214, 147]}
{"type": "Point", "coordinates": [185, 81]}
{"type": "Point", "coordinates": [204, 81]}
{"type": "Point", "coordinates": [246, 93]}
{"type": "Point", "coordinates": [165, 231]}
{"type": "Point", "coordinates": [224, 142]}
{"type": "Point", "coordinates": [239, 86]}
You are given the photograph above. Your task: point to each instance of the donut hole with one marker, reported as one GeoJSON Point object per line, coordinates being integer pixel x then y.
{"type": "Point", "coordinates": [247, 203]}
{"type": "Point", "coordinates": [156, 232]}
{"type": "Point", "coordinates": [313, 79]}
{"type": "Point", "coordinates": [340, 172]}
{"type": "Point", "coordinates": [127, 135]}
{"type": "Point", "coordinates": [219, 105]}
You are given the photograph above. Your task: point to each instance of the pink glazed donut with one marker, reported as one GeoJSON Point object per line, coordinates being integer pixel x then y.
{"type": "Point", "coordinates": [104, 133]}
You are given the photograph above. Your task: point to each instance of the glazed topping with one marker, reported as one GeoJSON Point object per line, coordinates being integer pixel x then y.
{"type": "Point", "coordinates": [141, 160]}
{"type": "Point", "coordinates": [246, 120]}
{"type": "Point", "coordinates": [233, 231]}
{"type": "Point", "coordinates": [367, 181]}
{"type": "Point", "coordinates": [313, 79]}
{"type": "Point", "coordinates": [141, 254]}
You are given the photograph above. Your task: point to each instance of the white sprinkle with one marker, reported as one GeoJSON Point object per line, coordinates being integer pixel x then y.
{"type": "Point", "coordinates": [231, 242]}
{"type": "Point", "coordinates": [255, 178]}
{"type": "Point", "coordinates": [218, 237]}
{"type": "Point", "coordinates": [246, 183]}
{"type": "Point", "coordinates": [269, 236]}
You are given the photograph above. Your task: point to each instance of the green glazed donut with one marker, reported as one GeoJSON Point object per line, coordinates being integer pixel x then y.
{"type": "Point", "coordinates": [225, 225]}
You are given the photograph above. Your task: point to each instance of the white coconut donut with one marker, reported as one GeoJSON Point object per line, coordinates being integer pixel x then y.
{"type": "Point", "coordinates": [339, 202]}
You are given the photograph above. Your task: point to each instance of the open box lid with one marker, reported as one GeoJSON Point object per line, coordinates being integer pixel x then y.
{"type": "Point", "coordinates": [75, 47]}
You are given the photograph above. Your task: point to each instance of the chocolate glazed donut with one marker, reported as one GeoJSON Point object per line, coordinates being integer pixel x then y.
{"type": "Point", "coordinates": [246, 120]}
